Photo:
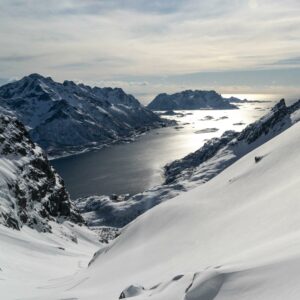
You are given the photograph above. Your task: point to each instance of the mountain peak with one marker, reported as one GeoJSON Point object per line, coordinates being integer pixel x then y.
{"type": "Point", "coordinates": [279, 106]}
{"type": "Point", "coordinates": [69, 83]}
{"type": "Point", "coordinates": [35, 76]}
{"type": "Point", "coordinates": [70, 117]}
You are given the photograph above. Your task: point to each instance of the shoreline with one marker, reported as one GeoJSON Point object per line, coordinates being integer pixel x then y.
{"type": "Point", "coordinates": [129, 139]}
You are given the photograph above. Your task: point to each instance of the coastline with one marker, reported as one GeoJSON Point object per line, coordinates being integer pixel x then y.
{"type": "Point", "coordinates": [98, 146]}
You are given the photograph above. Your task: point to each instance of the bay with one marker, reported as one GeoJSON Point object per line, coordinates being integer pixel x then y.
{"type": "Point", "coordinates": [134, 167]}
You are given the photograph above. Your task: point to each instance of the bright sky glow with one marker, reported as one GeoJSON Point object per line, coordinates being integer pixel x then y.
{"type": "Point", "coordinates": [147, 47]}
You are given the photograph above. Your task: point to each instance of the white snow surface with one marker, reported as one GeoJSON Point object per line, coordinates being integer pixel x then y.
{"type": "Point", "coordinates": [234, 237]}
{"type": "Point", "coordinates": [33, 263]}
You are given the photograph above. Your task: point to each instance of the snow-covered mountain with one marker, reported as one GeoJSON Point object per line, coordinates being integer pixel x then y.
{"type": "Point", "coordinates": [42, 235]}
{"type": "Point", "coordinates": [192, 170]}
{"type": "Point", "coordinates": [189, 99]}
{"type": "Point", "coordinates": [66, 117]}
{"type": "Point", "coordinates": [31, 192]}
{"type": "Point", "coordinates": [235, 237]}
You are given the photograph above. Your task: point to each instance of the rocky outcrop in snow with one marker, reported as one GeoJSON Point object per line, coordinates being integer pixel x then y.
{"type": "Point", "coordinates": [219, 153]}
{"type": "Point", "coordinates": [31, 192]}
{"type": "Point", "coordinates": [189, 99]}
{"type": "Point", "coordinates": [191, 171]}
{"type": "Point", "coordinates": [69, 117]}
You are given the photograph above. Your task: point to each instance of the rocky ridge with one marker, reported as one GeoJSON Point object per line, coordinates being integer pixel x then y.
{"type": "Point", "coordinates": [31, 192]}
{"type": "Point", "coordinates": [68, 117]}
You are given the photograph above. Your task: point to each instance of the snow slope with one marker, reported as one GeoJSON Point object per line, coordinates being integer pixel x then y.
{"type": "Point", "coordinates": [38, 238]}
{"type": "Point", "coordinates": [33, 263]}
{"type": "Point", "coordinates": [189, 99]}
{"type": "Point", "coordinates": [69, 117]}
{"type": "Point", "coordinates": [235, 237]}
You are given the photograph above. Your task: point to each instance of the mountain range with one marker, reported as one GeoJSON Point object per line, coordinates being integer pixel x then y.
{"type": "Point", "coordinates": [68, 117]}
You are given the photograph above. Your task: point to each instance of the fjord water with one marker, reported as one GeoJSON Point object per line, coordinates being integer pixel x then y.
{"type": "Point", "coordinates": [134, 167]}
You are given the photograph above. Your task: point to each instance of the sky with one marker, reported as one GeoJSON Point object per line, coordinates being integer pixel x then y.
{"type": "Point", "coordinates": [153, 46]}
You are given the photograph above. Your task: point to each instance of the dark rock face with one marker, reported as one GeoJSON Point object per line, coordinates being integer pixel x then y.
{"type": "Point", "coordinates": [31, 192]}
{"type": "Point", "coordinates": [68, 117]}
{"type": "Point", "coordinates": [278, 115]}
{"type": "Point", "coordinates": [294, 107]}
{"type": "Point", "coordinates": [132, 291]}
{"type": "Point", "coordinates": [188, 100]}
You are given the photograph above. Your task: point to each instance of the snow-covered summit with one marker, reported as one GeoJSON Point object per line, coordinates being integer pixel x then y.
{"type": "Point", "coordinates": [189, 99]}
{"type": "Point", "coordinates": [70, 117]}
{"type": "Point", "coordinates": [31, 192]}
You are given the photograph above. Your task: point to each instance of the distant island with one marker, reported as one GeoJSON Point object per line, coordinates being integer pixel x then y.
{"type": "Point", "coordinates": [237, 100]}
{"type": "Point", "coordinates": [189, 100]}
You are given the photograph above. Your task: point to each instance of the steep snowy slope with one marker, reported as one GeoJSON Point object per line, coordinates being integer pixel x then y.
{"type": "Point", "coordinates": [69, 117]}
{"type": "Point", "coordinates": [193, 170]}
{"type": "Point", "coordinates": [39, 237]}
{"type": "Point", "coordinates": [190, 100]}
{"type": "Point", "coordinates": [31, 192]}
{"type": "Point", "coordinates": [31, 262]}
{"type": "Point", "coordinates": [235, 237]}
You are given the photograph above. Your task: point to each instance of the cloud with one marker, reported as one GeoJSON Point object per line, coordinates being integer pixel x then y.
{"type": "Point", "coordinates": [253, 4]}
{"type": "Point", "coordinates": [34, 8]}
{"type": "Point", "coordinates": [100, 40]}
{"type": "Point", "coordinates": [293, 61]}
{"type": "Point", "coordinates": [98, 61]}
{"type": "Point", "coordinates": [18, 58]}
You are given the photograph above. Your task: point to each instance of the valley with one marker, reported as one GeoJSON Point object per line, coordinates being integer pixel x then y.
{"type": "Point", "coordinates": [131, 168]}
